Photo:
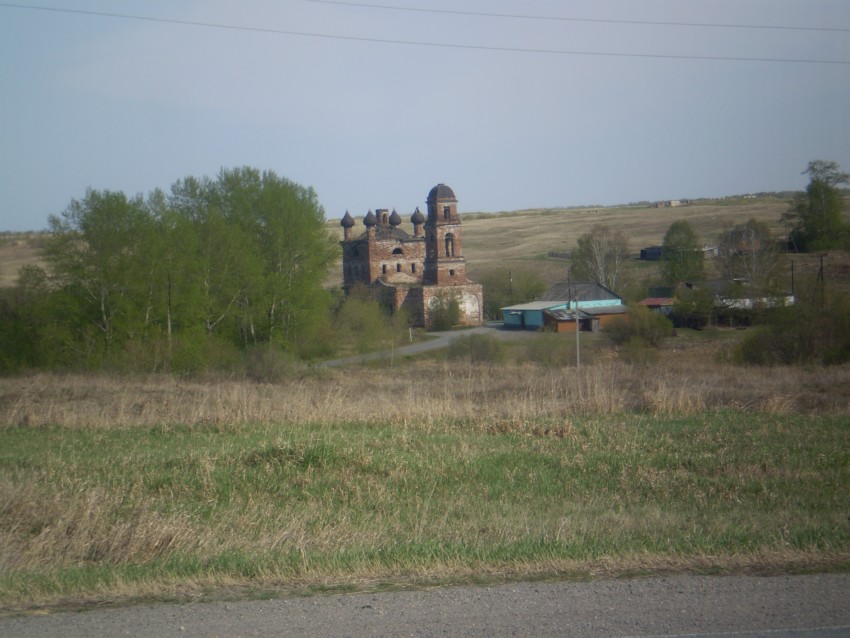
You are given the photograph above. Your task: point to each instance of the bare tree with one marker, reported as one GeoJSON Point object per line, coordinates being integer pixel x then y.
{"type": "Point", "coordinates": [600, 255]}
{"type": "Point", "coordinates": [749, 252]}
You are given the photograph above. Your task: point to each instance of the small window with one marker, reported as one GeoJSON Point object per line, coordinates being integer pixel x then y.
{"type": "Point", "coordinates": [412, 267]}
{"type": "Point", "coordinates": [398, 267]}
{"type": "Point", "coordinates": [398, 251]}
{"type": "Point", "coordinates": [384, 269]}
{"type": "Point", "coordinates": [447, 212]}
{"type": "Point", "coordinates": [452, 273]}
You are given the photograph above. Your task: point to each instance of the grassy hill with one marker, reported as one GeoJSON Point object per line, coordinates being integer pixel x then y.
{"type": "Point", "coordinates": [524, 238]}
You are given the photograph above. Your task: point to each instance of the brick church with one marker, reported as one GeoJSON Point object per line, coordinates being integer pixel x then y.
{"type": "Point", "coordinates": [413, 272]}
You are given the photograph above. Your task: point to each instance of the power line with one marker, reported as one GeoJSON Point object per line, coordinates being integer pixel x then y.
{"type": "Point", "coordinates": [442, 45]}
{"type": "Point", "coordinates": [520, 16]}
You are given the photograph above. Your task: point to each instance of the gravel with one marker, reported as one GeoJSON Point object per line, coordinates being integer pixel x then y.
{"type": "Point", "coordinates": [622, 607]}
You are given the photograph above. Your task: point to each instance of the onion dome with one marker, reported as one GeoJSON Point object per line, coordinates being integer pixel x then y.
{"type": "Point", "coordinates": [395, 218]}
{"type": "Point", "coordinates": [347, 221]}
{"type": "Point", "coordinates": [370, 219]}
{"type": "Point", "coordinates": [417, 217]}
{"type": "Point", "coordinates": [441, 191]}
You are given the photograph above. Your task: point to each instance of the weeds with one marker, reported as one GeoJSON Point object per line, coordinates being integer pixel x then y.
{"type": "Point", "coordinates": [112, 487]}
{"type": "Point", "coordinates": [100, 510]}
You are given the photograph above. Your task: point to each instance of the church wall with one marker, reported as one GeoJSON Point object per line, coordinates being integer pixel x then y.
{"type": "Point", "coordinates": [470, 300]}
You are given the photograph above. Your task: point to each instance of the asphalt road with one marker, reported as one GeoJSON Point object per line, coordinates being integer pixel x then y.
{"type": "Point", "coordinates": [777, 606]}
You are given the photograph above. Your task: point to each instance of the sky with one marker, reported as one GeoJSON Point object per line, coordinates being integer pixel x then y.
{"type": "Point", "coordinates": [513, 103]}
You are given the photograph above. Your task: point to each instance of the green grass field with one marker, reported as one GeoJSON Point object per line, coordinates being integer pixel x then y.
{"type": "Point", "coordinates": [171, 511]}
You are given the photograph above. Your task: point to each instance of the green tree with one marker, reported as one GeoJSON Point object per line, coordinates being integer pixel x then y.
{"type": "Point", "coordinates": [694, 307]}
{"type": "Point", "coordinates": [100, 254]}
{"type": "Point", "coordinates": [750, 253]}
{"type": "Point", "coordinates": [599, 257]}
{"type": "Point", "coordinates": [508, 286]}
{"type": "Point", "coordinates": [682, 253]}
{"type": "Point", "coordinates": [263, 252]}
{"type": "Point", "coordinates": [817, 214]}
{"type": "Point", "coordinates": [170, 279]}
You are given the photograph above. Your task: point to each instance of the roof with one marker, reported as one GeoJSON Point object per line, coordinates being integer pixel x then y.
{"type": "Point", "coordinates": [391, 232]}
{"type": "Point", "coordinates": [569, 315]}
{"type": "Point", "coordinates": [582, 292]}
{"type": "Point", "coordinates": [657, 301]}
{"type": "Point", "coordinates": [441, 191]}
{"type": "Point", "coordinates": [535, 305]}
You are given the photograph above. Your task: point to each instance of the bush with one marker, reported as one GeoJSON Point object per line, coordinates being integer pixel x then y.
{"type": "Point", "coordinates": [650, 327]}
{"type": "Point", "coordinates": [444, 312]}
{"type": "Point", "coordinates": [638, 352]}
{"type": "Point", "coordinates": [267, 364]}
{"type": "Point", "coordinates": [477, 348]}
{"type": "Point", "coordinates": [801, 334]}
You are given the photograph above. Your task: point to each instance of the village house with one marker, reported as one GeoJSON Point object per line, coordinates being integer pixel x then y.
{"type": "Point", "coordinates": [414, 272]}
{"type": "Point", "coordinates": [565, 306]}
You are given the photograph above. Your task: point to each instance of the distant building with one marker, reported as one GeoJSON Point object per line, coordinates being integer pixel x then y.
{"type": "Point", "coordinates": [651, 253]}
{"type": "Point", "coordinates": [564, 307]}
{"type": "Point", "coordinates": [413, 272]}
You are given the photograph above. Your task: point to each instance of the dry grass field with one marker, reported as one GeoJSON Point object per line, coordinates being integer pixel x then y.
{"type": "Point", "coordinates": [16, 250]}
{"type": "Point", "coordinates": [430, 470]}
{"type": "Point", "coordinates": [425, 472]}
{"type": "Point", "coordinates": [524, 238]}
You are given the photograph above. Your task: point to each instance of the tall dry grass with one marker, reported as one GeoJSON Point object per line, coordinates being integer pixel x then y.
{"type": "Point", "coordinates": [424, 392]}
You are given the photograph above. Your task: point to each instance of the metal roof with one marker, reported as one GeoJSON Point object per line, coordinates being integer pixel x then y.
{"type": "Point", "coordinates": [536, 305]}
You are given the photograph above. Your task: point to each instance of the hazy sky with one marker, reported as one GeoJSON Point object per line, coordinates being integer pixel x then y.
{"type": "Point", "coordinates": [550, 103]}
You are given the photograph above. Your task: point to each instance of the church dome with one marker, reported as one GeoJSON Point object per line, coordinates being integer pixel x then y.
{"type": "Point", "coordinates": [347, 221]}
{"type": "Point", "coordinates": [417, 217]}
{"type": "Point", "coordinates": [441, 191]}
{"type": "Point", "coordinates": [395, 219]}
{"type": "Point", "coordinates": [370, 219]}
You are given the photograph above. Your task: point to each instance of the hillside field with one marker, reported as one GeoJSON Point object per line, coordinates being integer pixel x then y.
{"type": "Point", "coordinates": [524, 238]}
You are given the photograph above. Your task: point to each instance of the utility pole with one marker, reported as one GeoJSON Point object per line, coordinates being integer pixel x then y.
{"type": "Point", "coordinates": [821, 280]}
{"type": "Point", "coordinates": [573, 292]}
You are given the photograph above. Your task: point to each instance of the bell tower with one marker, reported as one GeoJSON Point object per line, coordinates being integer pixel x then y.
{"type": "Point", "coordinates": [444, 263]}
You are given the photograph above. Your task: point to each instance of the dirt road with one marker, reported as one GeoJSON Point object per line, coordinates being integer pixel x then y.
{"type": "Point", "coordinates": [673, 605]}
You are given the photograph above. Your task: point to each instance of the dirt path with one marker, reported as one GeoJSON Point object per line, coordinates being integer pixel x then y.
{"type": "Point", "coordinates": [625, 607]}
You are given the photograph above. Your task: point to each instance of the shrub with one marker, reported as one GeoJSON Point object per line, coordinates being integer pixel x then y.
{"type": "Point", "coordinates": [444, 312]}
{"type": "Point", "coordinates": [650, 327]}
{"type": "Point", "coordinates": [638, 352]}
{"type": "Point", "coordinates": [267, 364]}
{"type": "Point", "coordinates": [477, 348]}
{"type": "Point", "coordinates": [800, 334]}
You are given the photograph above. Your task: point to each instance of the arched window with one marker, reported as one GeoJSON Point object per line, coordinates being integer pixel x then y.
{"type": "Point", "coordinates": [450, 245]}
{"type": "Point", "coordinates": [447, 212]}
{"type": "Point", "coordinates": [398, 251]}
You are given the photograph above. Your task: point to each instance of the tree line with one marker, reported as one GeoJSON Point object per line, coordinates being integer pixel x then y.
{"type": "Point", "coordinates": [748, 250]}
{"type": "Point", "coordinates": [171, 280]}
